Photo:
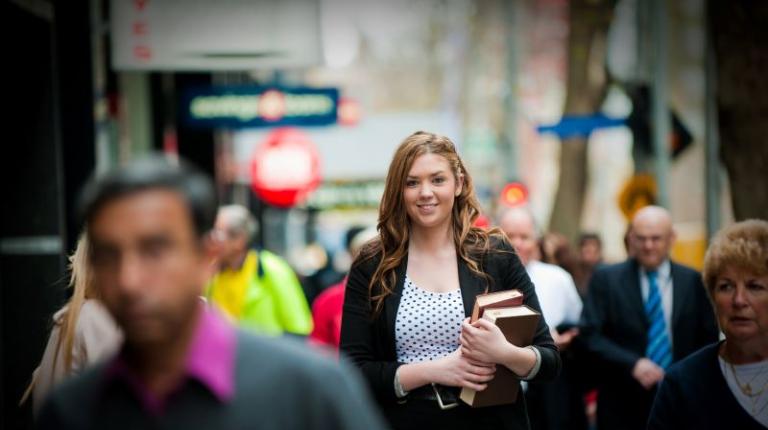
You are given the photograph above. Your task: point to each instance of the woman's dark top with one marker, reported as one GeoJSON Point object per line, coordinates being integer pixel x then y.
{"type": "Point", "coordinates": [370, 342]}
{"type": "Point", "coordinates": [695, 395]}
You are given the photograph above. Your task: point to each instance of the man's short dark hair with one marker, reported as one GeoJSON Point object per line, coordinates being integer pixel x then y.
{"type": "Point", "coordinates": [349, 236]}
{"type": "Point", "coordinates": [153, 171]}
{"type": "Point", "coordinates": [590, 237]}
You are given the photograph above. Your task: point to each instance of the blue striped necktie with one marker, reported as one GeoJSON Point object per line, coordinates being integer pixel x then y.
{"type": "Point", "coordinates": [659, 348]}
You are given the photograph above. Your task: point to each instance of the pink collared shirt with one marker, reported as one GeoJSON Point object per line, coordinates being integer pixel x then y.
{"type": "Point", "coordinates": [210, 360]}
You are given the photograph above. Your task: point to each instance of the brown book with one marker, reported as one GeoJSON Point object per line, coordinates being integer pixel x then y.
{"type": "Point", "coordinates": [518, 323]}
{"type": "Point", "coordinates": [499, 299]}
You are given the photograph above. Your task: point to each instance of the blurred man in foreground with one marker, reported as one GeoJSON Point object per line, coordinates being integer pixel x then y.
{"type": "Point", "coordinates": [182, 365]}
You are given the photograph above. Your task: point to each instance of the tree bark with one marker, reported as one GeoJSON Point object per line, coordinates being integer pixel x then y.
{"type": "Point", "coordinates": [740, 37]}
{"type": "Point", "coordinates": [586, 87]}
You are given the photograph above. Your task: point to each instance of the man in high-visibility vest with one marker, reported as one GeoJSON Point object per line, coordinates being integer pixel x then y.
{"type": "Point", "coordinates": [256, 288]}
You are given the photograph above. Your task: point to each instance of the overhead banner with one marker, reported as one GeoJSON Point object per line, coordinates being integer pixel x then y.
{"type": "Point", "coordinates": [247, 107]}
{"type": "Point", "coordinates": [209, 35]}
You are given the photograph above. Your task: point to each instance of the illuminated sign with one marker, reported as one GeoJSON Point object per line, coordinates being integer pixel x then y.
{"type": "Point", "coordinates": [514, 194]}
{"type": "Point", "coordinates": [285, 168]}
{"type": "Point", "coordinates": [244, 107]}
{"type": "Point", "coordinates": [347, 195]}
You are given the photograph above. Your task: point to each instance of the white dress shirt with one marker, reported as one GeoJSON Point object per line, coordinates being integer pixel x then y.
{"type": "Point", "coordinates": [558, 297]}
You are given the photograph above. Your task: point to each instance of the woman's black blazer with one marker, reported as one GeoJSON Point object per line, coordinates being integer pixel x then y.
{"type": "Point", "coordinates": [370, 342]}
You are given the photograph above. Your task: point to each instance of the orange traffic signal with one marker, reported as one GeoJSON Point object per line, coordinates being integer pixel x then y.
{"type": "Point", "coordinates": [514, 194]}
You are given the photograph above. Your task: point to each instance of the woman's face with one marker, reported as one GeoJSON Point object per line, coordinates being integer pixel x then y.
{"type": "Point", "coordinates": [430, 189]}
{"type": "Point", "coordinates": [741, 304]}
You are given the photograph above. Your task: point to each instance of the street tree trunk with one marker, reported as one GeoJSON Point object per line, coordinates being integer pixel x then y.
{"type": "Point", "coordinates": [740, 38]}
{"type": "Point", "coordinates": [587, 84]}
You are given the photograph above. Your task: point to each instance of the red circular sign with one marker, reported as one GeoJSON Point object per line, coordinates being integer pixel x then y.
{"type": "Point", "coordinates": [482, 221]}
{"type": "Point", "coordinates": [514, 194]}
{"type": "Point", "coordinates": [285, 168]}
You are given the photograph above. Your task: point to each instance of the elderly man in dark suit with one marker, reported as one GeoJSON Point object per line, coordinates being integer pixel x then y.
{"type": "Point", "coordinates": [639, 317]}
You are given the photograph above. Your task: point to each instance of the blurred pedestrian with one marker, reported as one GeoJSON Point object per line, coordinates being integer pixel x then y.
{"type": "Point", "coordinates": [559, 300]}
{"type": "Point", "coordinates": [627, 241]}
{"type": "Point", "coordinates": [316, 268]}
{"type": "Point", "coordinates": [590, 257]}
{"type": "Point", "coordinates": [639, 317]}
{"type": "Point", "coordinates": [256, 288]}
{"type": "Point", "coordinates": [182, 365]}
{"type": "Point", "coordinates": [561, 308]}
{"type": "Point", "coordinates": [590, 248]}
{"type": "Point", "coordinates": [555, 249]}
{"type": "Point", "coordinates": [409, 293]}
{"type": "Point", "coordinates": [83, 332]}
{"type": "Point", "coordinates": [725, 384]}
{"type": "Point", "coordinates": [327, 308]}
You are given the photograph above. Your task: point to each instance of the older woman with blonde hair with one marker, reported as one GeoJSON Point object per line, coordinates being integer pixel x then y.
{"type": "Point", "coordinates": [83, 332]}
{"type": "Point", "coordinates": [411, 289]}
{"type": "Point", "coordinates": [725, 385]}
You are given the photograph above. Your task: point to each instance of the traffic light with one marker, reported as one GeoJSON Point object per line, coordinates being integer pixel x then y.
{"type": "Point", "coordinates": [639, 122]}
{"type": "Point", "coordinates": [514, 194]}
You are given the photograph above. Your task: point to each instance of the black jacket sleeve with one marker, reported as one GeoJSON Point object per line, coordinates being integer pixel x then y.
{"type": "Point", "coordinates": [707, 331]}
{"type": "Point", "coordinates": [359, 340]}
{"type": "Point", "coordinates": [665, 413]}
{"type": "Point", "coordinates": [594, 321]}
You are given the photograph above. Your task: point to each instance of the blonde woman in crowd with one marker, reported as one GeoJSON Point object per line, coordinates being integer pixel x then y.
{"type": "Point", "coordinates": [83, 333]}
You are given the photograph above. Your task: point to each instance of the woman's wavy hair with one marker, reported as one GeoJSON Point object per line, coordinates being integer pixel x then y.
{"type": "Point", "coordinates": [394, 225]}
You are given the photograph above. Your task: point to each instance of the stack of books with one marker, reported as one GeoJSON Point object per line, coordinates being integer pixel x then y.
{"type": "Point", "coordinates": [518, 323]}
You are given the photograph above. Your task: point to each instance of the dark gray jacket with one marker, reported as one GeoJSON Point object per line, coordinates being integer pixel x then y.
{"type": "Point", "coordinates": [615, 332]}
{"type": "Point", "coordinates": [279, 385]}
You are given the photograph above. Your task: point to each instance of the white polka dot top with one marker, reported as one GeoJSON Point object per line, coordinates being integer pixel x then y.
{"type": "Point", "coordinates": [428, 324]}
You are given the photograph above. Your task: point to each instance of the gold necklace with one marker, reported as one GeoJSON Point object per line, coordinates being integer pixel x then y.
{"type": "Point", "coordinates": [747, 389]}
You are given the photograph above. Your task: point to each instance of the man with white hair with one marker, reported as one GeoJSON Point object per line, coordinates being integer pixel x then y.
{"type": "Point", "coordinates": [559, 299]}
{"type": "Point", "coordinates": [256, 288]}
{"type": "Point", "coordinates": [639, 317]}
{"type": "Point", "coordinates": [561, 307]}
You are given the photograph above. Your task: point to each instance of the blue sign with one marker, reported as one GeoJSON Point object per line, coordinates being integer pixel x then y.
{"type": "Point", "coordinates": [251, 106]}
{"type": "Point", "coordinates": [580, 125]}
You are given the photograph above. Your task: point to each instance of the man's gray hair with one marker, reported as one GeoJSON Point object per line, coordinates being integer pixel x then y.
{"type": "Point", "coordinates": [239, 220]}
{"type": "Point", "coordinates": [526, 211]}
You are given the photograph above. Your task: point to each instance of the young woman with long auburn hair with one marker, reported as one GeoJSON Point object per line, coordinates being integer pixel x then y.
{"type": "Point", "coordinates": [411, 289]}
